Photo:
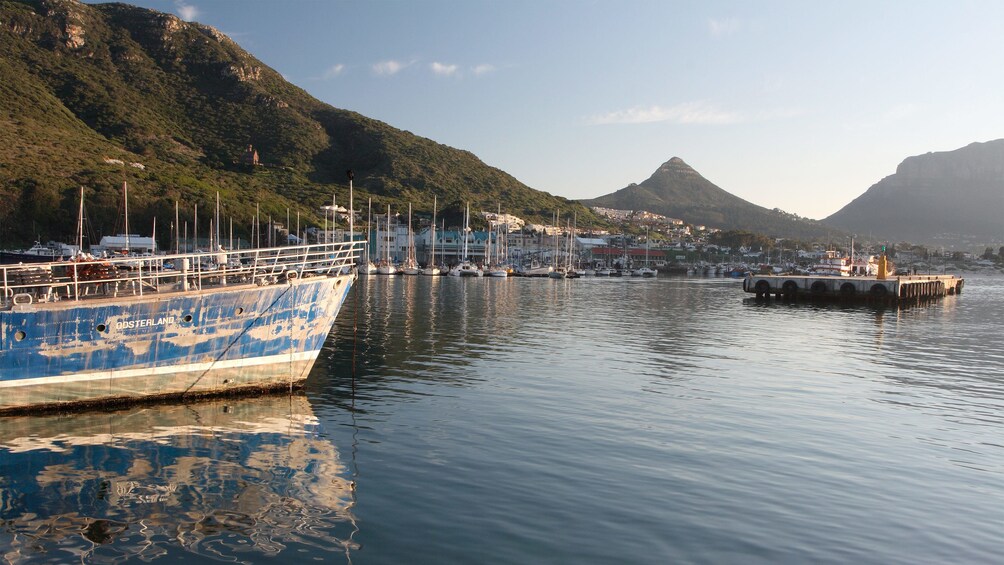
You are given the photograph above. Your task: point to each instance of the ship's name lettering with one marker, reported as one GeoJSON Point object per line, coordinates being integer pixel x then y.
{"type": "Point", "coordinates": [145, 322]}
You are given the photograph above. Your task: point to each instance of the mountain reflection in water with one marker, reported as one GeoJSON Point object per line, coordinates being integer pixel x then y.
{"type": "Point", "coordinates": [228, 479]}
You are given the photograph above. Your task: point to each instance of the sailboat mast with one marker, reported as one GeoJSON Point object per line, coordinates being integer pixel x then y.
{"type": "Point", "coordinates": [557, 216]}
{"type": "Point", "coordinates": [432, 256]}
{"type": "Point", "coordinates": [218, 242]}
{"type": "Point", "coordinates": [352, 214]}
{"type": "Point", "coordinates": [125, 208]}
{"type": "Point", "coordinates": [80, 223]}
{"type": "Point", "coordinates": [467, 228]}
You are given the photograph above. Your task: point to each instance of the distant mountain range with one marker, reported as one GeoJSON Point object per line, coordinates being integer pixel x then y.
{"type": "Point", "coordinates": [952, 197]}
{"type": "Point", "coordinates": [678, 191]}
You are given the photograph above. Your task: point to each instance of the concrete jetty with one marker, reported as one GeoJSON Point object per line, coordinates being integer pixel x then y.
{"type": "Point", "coordinates": [890, 289]}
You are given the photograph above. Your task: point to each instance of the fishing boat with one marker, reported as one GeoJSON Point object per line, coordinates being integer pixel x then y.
{"type": "Point", "coordinates": [102, 331]}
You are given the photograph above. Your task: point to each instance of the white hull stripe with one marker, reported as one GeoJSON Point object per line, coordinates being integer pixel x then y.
{"type": "Point", "coordinates": [160, 371]}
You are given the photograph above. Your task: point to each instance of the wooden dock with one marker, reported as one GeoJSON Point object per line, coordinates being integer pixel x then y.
{"type": "Point", "coordinates": [892, 289]}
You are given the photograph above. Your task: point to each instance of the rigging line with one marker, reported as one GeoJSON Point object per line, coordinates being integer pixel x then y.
{"type": "Point", "coordinates": [236, 338]}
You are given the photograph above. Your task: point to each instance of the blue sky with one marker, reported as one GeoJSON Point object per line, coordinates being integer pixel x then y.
{"type": "Point", "coordinates": [795, 105]}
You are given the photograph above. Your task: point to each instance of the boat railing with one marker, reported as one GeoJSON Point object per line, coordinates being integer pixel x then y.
{"type": "Point", "coordinates": [135, 275]}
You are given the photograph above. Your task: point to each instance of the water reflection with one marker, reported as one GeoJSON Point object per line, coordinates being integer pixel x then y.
{"type": "Point", "coordinates": [228, 479]}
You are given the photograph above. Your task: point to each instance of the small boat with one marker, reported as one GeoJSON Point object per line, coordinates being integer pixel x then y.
{"type": "Point", "coordinates": [386, 266]}
{"type": "Point", "coordinates": [535, 270]}
{"type": "Point", "coordinates": [431, 270]}
{"type": "Point", "coordinates": [466, 268]}
{"type": "Point", "coordinates": [410, 264]}
{"type": "Point", "coordinates": [39, 253]}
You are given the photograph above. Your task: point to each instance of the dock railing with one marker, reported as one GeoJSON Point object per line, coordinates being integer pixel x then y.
{"type": "Point", "coordinates": [135, 275]}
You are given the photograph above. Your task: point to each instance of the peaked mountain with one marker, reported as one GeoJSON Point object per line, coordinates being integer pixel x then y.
{"type": "Point", "coordinates": [949, 197]}
{"type": "Point", "coordinates": [96, 94]}
{"type": "Point", "coordinates": [677, 190]}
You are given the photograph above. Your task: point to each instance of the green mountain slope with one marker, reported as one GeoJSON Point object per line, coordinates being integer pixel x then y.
{"type": "Point", "coordinates": [82, 85]}
{"type": "Point", "coordinates": [678, 191]}
{"type": "Point", "coordinates": [950, 197]}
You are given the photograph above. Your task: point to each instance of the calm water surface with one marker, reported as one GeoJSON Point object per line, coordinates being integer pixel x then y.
{"type": "Point", "coordinates": [539, 421]}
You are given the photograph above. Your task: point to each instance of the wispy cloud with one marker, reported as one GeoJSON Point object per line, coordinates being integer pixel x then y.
{"type": "Point", "coordinates": [483, 69]}
{"type": "Point", "coordinates": [186, 12]}
{"type": "Point", "coordinates": [687, 113]}
{"type": "Point", "coordinates": [721, 28]}
{"type": "Point", "coordinates": [333, 71]}
{"type": "Point", "coordinates": [443, 69]}
{"type": "Point", "coordinates": [902, 111]}
{"type": "Point", "coordinates": [388, 68]}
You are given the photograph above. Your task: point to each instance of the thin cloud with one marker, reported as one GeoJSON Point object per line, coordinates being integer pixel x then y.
{"type": "Point", "coordinates": [699, 113]}
{"type": "Point", "coordinates": [186, 12]}
{"type": "Point", "coordinates": [443, 69]}
{"type": "Point", "coordinates": [388, 68]}
{"type": "Point", "coordinates": [721, 28]}
{"type": "Point", "coordinates": [333, 71]}
{"type": "Point", "coordinates": [483, 69]}
{"type": "Point", "coordinates": [902, 111]}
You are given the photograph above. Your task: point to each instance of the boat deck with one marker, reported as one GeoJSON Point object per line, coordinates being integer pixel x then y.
{"type": "Point", "coordinates": [122, 277]}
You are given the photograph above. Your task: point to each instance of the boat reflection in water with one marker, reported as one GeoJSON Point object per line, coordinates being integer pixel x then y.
{"type": "Point", "coordinates": [223, 479]}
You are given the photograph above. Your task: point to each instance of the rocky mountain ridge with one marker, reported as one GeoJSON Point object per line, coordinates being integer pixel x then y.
{"type": "Point", "coordinates": [955, 198]}
{"type": "Point", "coordinates": [677, 190]}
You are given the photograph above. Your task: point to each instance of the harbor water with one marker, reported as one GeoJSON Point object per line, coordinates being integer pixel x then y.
{"type": "Point", "coordinates": [598, 420]}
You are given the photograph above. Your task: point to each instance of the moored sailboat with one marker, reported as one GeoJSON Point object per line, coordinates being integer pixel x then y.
{"type": "Point", "coordinates": [431, 269]}
{"type": "Point", "coordinates": [466, 268]}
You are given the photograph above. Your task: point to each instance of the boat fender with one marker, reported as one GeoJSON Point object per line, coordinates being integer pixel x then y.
{"type": "Point", "coordinates": [762, 287]}
{"type": "Point", "coordinates": [847, 289]}
{"type": "Point", "coordinates": [879, 290]}
{"type": "Point", "coordinates": [789, 287]}
{"type": "Point", "coordinates": [818, 287]}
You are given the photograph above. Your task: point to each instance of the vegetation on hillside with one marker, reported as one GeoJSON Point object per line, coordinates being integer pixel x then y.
{"type": "Point", "coordinates": [96, 95]}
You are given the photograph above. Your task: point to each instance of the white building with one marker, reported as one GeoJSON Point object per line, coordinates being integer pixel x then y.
{"type": "Point", "coordinates": [125, 244]}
